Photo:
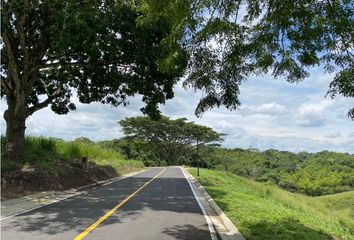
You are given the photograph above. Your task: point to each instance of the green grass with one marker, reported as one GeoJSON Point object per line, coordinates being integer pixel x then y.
{"type": "Point", "coordinates": [44, 153]}
{"type": "Point", "coordinates": [264, 211]}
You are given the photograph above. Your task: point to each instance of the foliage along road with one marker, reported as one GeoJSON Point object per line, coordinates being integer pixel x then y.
{"type": "Point", "coordinates": [155, 204]}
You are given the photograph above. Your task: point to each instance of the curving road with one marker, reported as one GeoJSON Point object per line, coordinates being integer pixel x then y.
{"type": "Point", "coordinates": [156, 204]}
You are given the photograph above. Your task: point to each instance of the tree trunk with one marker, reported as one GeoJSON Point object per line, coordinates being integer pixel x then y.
{"type": "Point", "coordinates": [15, 117]}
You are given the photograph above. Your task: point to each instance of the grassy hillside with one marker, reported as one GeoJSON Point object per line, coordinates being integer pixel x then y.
{"type": "Point", "coordinates": [312, 174]}
{"type": "Point", "coordinates": [264, 211]}
{"type": "Point", "coordinates": [53, 164]}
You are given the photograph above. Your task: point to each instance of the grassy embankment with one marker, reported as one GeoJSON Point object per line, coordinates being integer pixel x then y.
{"type": "Point", "coordinates": [53, 164]}
{"type": "Point", "coordinates": [264, 211]}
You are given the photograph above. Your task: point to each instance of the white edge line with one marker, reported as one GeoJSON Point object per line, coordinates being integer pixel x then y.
{"type": "Point", "coordinates": [61, 199]}
{"type": "Point", "coordinates": [212, 230]}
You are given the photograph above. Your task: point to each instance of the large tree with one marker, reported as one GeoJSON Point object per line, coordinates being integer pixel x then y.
{"type": "Point", "coordinates": [231, 40]}
{"type": "Point", "coordinates": [167, 138]}
{"type": "Point", "coordinates": [54, 49]}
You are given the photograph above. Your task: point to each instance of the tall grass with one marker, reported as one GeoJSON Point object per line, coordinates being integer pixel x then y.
{"type": "Point", "coordinates": [43, 152]}
{"type": "Point", "coordinates": [265, 211]}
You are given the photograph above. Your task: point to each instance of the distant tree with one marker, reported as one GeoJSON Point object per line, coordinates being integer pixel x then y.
{"type": "Point", "coordinates": [170, 139]}
{"type": "Point", "coordinates": [232, 40]}
{"type": "Point", "coordinates": [54, 49]}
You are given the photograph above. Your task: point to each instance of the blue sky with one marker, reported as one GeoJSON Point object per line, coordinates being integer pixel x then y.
{"type": "Point", "coordinates": [274, 114]}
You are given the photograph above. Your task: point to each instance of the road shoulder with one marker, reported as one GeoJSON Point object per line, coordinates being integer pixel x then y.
{"type": "Point", "coordinates": [13, 207]}
{"type": "Point", "coordinates": [225, 229]}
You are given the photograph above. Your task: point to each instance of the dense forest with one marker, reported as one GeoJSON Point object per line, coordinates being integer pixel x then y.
{"type": "Point", "coordinates": [313, 174]}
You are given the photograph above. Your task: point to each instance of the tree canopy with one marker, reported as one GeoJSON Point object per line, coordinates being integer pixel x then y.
{"type": "Point", "coordinates": [169, 139]}
{"type": "Point", "coordinates": [93, 49]}
{"type": "Point", "coordinates": [231, 40]}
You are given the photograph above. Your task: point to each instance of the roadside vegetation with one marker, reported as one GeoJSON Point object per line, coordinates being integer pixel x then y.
{"type": "Point", "coordinates": [55, 164]}
{"type": "Point", "coordinates": [265, 211]}
{"type": "Point", "coordinates": [312, 174]}
{"type": "Point", "coordinates": [153, 142]}
{"type": "Point", "coordinates": [269, 195]}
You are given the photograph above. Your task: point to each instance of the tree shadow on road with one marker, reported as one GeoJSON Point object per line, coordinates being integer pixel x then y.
{"type": "Point", "coordinates": [73, 215]}
{"type": "Point", "coordinates": [188, 232]}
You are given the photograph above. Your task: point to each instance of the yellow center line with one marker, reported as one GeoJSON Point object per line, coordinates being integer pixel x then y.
{"type": "Point", "coordinates": [103, 218]}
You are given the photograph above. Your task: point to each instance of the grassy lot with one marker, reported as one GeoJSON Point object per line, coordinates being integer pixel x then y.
{"type": "Point", "coordinates": [263, 211]}
{"type": "Point", "coordinates": [53, 164]}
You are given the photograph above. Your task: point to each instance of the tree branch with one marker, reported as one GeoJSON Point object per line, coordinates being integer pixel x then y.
{"type": "Point", "coordinates": [6, 86]}
{"type": "Point", "coordinates": [12, 65]}
{"type": "Point", "coordinates": [45, 103]}
{"type": "Point", "coordinates": [42, 45]}
{"type": "Point", "coordinates": [3, 58]}
{"type": "Point", "coordinates": [22, 38]}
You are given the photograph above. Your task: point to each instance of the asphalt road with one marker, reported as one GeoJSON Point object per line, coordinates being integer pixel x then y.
{"type": "Point", "coordinates": [163, 207]}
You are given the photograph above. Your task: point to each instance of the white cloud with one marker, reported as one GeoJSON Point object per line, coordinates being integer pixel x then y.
{"type": "Point", "coordinates": [246, 139]}
{"type": "Point", "coordinates": [272, 108]}
{"type": "Point", "coordinates": [312, 114]}
{"type": "Point", "coordinates": [333, 135]}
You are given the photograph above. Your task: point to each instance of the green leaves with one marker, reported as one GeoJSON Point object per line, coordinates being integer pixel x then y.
{"type": "Point", "coordinates": [110, 50]}
{"type": "Point", "coordinates": [309, 173]}
{"type": "Point", "coordinates": [228, 41]}
{"type": "Point", "coordinates": [343, 84]}
{"type": "Point", "coordinates": [96, 49]}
